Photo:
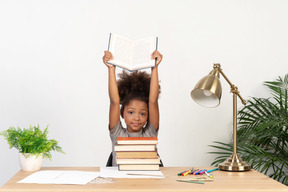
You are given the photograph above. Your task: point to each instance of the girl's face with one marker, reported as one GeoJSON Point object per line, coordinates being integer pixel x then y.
{"type": "Point", "coordinates": [135, 115]}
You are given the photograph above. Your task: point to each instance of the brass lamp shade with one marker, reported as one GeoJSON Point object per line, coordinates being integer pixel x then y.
{"type": "Point", "coordinates": [208, 90]}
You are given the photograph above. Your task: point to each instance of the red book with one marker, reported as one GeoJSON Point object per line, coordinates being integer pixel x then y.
{"type": "Point", "coordinates": [137, 140]}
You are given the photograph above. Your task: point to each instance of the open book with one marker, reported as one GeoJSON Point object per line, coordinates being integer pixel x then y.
{"type": "Point", "coordinates": [132, 55]}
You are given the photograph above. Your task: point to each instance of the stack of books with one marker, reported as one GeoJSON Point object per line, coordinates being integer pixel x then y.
{"type": "Point", "coordinates": [137, 154]}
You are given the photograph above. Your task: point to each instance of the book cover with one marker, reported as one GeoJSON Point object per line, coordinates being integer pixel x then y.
{"type": "Point", "coordinates": [144, 147]}
{"type": "Point", "coordinates": [140, 167]}
{"type": "Point", "coordinates": [136, 154]}
{"type": "Point", "coordinates": [132, 55]}
{"type": "Point", "coordinates": [137, 140]}
{"type": "Point", "coordinates": [138, 161]}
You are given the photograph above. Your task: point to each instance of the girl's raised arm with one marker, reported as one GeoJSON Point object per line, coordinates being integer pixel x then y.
{"type": "Point", "coordinates": [154, 92]}
{"type": "Point", "coordinates": [114, 112]}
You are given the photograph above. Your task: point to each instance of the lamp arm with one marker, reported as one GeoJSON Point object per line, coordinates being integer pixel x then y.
{"type": "Point", "coordinates": [236, 93]}
{"type": "Point", "coordinates": [234, 89]}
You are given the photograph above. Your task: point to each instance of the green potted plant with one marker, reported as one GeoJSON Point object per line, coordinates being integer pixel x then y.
{"type": "Point", "coordinates": [33, 145]}
{"type": "Point", "coordinates": [262, 135]}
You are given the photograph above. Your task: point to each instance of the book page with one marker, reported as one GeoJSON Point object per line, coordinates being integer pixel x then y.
{"type": "Point", "coordinates": [121, 49]}
{"type": "Point", "coordinates": [143, 50]}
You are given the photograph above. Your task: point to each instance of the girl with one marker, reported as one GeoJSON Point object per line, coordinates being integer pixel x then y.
{"type": "Point", "coordinates": [137, 94]}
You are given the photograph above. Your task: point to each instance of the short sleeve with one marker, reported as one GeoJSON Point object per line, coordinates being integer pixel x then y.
{"type": "Point", "coordinates": [149, 131]}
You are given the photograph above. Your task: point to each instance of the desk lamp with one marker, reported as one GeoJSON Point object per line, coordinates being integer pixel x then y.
{"type": "Point", "coordinates": [207, 93]}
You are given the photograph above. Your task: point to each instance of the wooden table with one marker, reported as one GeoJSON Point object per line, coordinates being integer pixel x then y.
{"type": "Point", "coordinates": [223, 182]}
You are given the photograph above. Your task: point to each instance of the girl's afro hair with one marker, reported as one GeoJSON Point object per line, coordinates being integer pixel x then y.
{"type": "Point", "coordinates": [134, 85]}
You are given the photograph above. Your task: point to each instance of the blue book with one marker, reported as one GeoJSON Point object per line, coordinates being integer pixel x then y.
{"type": "Point", "coordinates": [130, 54]}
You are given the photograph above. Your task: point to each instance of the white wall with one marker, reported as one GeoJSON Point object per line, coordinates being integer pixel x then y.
{"type": "Point", "coordinates": [51, 70]}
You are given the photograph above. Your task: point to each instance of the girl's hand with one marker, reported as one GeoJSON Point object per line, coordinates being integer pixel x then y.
{"type": "Point", "coordinates": [107, 57]}
{"type": "Point", "coordinates": [157, 55]}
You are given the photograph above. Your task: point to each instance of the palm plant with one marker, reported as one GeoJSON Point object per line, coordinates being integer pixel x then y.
{"type": "Point", "coordinates": [262, 134]}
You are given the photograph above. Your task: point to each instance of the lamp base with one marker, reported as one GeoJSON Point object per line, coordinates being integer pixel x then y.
{"type": "Point", "coordinates": [234, 163]}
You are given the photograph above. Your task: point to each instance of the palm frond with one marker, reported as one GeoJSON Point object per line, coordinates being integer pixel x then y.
{"type": "Point", "coordinates": [262, 133]}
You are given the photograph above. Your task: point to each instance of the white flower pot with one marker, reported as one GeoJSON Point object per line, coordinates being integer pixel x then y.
{"type": "Point", "coordinates": [31, 163]}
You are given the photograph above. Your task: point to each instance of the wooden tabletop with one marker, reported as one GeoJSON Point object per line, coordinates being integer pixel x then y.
{"type": "Point", "coordinates": [251, 181]}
